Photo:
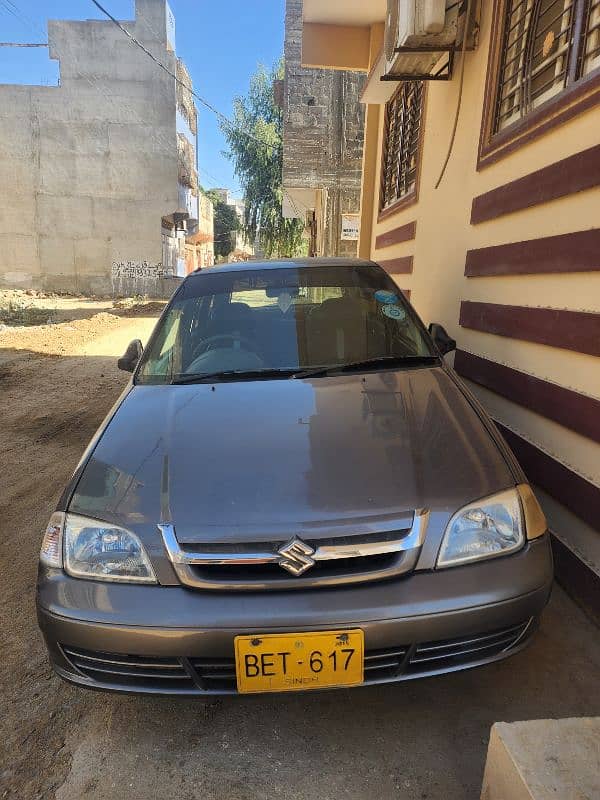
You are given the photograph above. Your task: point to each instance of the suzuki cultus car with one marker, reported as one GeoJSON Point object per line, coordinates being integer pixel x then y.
{"type": "Point", "coordinates": [293, 492]}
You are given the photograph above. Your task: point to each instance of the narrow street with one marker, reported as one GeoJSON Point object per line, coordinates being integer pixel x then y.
{"type": "Point", "coordinates": [424, 739]}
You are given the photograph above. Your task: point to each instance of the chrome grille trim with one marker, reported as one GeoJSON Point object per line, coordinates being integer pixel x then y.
{"type": "Point", "coordinates": [406, 546]}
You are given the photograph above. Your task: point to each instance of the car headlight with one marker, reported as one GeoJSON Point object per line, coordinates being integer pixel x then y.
{"type": "Point", "coordinates": [96, 550]}
{"type": "Point", "coordinates": [493, 526]}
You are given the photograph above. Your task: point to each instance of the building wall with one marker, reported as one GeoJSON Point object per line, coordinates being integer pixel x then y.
{"type": "Point", "coordinates": [200, 247]}
{"type": "Point", "coordinates": [545, 396]}
{"type": "Point", "coordinates": [444, 234]}
{"type": "Point", "coordinates": [323, 134]}
{"type": "Point", "coordinates": [91, 164]}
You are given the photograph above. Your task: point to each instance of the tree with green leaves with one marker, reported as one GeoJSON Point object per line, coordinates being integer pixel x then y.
{"type": "Point", "coordinates": [226, 224]}
{"type": "Point", "coordinates": [258, 160]}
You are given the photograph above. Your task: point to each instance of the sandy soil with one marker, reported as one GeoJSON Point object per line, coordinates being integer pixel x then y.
{"type": "Point", "coordinates": [52, 398]}
{"type": "Point", "coordinates": [424, 740]}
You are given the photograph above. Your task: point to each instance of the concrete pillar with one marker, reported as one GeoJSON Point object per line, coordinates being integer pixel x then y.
{"type": "Point", "coordinates": [543, 759]}
{"type": "Point", "coordinates": [370, 177]}
{"type": "Point", "coordinates": [151, 16]}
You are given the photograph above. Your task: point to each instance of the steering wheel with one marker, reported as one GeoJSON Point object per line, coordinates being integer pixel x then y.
{"type": "Point", "coordinates": [219, 337]}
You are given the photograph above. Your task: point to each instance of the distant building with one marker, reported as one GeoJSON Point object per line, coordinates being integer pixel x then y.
{"type": "Point", "coordinates": [99, 175]}
{"type": "Point", "coordinates": [200, 246]}
{"type": "Point", "coordinates": [242, 248]}
{"type": "Point", "coordinates": [323, 132]}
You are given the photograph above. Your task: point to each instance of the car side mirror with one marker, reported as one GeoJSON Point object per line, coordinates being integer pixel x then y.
{"type": "Point", "coordinates": [443, 342]}
{"type": "Point", "coordinates": [129, 361]}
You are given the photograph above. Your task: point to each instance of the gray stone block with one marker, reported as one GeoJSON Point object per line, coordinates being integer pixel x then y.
{"type": "Point", "coordinates": [543, 759]}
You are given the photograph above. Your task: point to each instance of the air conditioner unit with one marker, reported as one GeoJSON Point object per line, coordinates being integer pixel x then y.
{"type": "Point", "coordinates": [419, 36]}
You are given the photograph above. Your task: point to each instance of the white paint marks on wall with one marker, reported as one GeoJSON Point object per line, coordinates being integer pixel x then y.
{"type": "Point", "coordinates": [138, 277]}
{"type": "Point", "coordinates": [139, 269]}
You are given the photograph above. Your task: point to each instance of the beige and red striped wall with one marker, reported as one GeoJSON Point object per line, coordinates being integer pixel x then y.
{"type": "Point", "coordinates": [535, 366]}
{"type": "Point", "coordinates": [505, 253]}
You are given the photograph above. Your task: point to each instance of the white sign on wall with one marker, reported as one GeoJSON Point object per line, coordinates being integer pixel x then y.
{"type": "Point", "coordinates": [350, 227]}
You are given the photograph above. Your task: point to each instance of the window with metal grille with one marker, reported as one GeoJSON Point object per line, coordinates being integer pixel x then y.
{"type": "Point", "coordinates": [401, 143]}
{"type": "Point", "coordinates": [546, 46]}
{"type": "Point", "coordinates": [591, 52]}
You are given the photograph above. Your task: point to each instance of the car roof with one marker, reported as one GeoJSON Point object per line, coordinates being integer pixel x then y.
{"type": "Point", "coordinates": [283, 263]}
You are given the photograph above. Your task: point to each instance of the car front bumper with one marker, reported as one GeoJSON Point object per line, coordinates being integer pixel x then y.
{"type": "Point", "coordinates": [172, 640]}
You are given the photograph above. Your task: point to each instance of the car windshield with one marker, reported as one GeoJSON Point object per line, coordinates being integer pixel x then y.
{"type": "Point", "coordinates": [282, 321]}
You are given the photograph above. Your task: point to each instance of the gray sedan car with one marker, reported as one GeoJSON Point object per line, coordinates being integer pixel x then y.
{"type": "Point", "coordinates": [293, 492]}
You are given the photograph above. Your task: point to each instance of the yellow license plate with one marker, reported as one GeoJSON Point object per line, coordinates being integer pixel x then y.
{"type": "Point", "coordinates": [282, 662]}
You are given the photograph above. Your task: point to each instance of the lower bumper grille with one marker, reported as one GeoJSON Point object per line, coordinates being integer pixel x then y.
{"type": "Point", "coordinates": [216, 675]}
{"type": "Point", "coordinates": [433, 656]}
{"type": "Point", "coordinates": [137, 672]}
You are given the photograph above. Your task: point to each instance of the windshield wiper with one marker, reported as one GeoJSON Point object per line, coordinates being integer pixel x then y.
{"type": "Point", "coordinates": [298, 373]}
{"type": "Point", "coordinates": [368, 363]}
{"type": "Point", "coordinates": [232, 375]}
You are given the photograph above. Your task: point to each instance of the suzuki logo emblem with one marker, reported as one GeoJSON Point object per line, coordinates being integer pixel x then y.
{"type": "Point", "coordinates": [296, 556]}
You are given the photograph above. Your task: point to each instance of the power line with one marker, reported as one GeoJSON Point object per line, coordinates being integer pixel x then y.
{"type": "Point", "coordinates": [11, 8]}
{"type": "Point", "coordinates": [226, 121]}
{"type": "Point", "coordinates": [216, 183]}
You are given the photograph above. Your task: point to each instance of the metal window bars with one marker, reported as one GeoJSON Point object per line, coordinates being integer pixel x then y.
{"type": "Point", "coordinates": [546, 45]}
{"type": "Point", "coordinates": [591, 52]}
{"type": "Point", "coordinates": [402, 134]}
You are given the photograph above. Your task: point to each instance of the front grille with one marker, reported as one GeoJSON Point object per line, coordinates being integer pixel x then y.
{"type": "Point", "coordinates": [137, 672]}
{"type": "Point", "coordinates": [273, 574]}
{"type": "Point", "coordinates": [298, 564]}
{"type": "Point", "coordinates": [206, 675]}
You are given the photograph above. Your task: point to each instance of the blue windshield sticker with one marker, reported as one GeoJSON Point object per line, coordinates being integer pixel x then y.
{"type": "Point", "coordinates": [385, 297]}
{"type": "Point", "coordinates": [394, 312]}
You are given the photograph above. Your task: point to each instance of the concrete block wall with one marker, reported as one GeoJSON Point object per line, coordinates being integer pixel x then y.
{"type": "Point", "coordinates": [89, 168]}
{"type": "Point", "coordinates": [323, 133]}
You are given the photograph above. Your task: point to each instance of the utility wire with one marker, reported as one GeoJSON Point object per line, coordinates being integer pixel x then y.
{"type": "Point", "coordinates": [216, 183]}
{"type": "Point", "coordinates": [11, 8]}
{"type": "Point", "coordinates": [225, 120]}
{"type": "Point", "coordinates": [460, 91]}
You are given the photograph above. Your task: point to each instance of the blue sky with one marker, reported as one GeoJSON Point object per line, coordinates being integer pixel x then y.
{"type": "Point", "coordinates": [221, 41]}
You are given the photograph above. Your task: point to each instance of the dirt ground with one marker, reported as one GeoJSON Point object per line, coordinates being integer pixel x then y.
{"type": "Point", "coordinates": [422, 740]}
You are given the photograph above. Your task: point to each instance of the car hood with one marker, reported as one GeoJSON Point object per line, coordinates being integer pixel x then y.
{"type": "Point", "coordinates": [264, 460]}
